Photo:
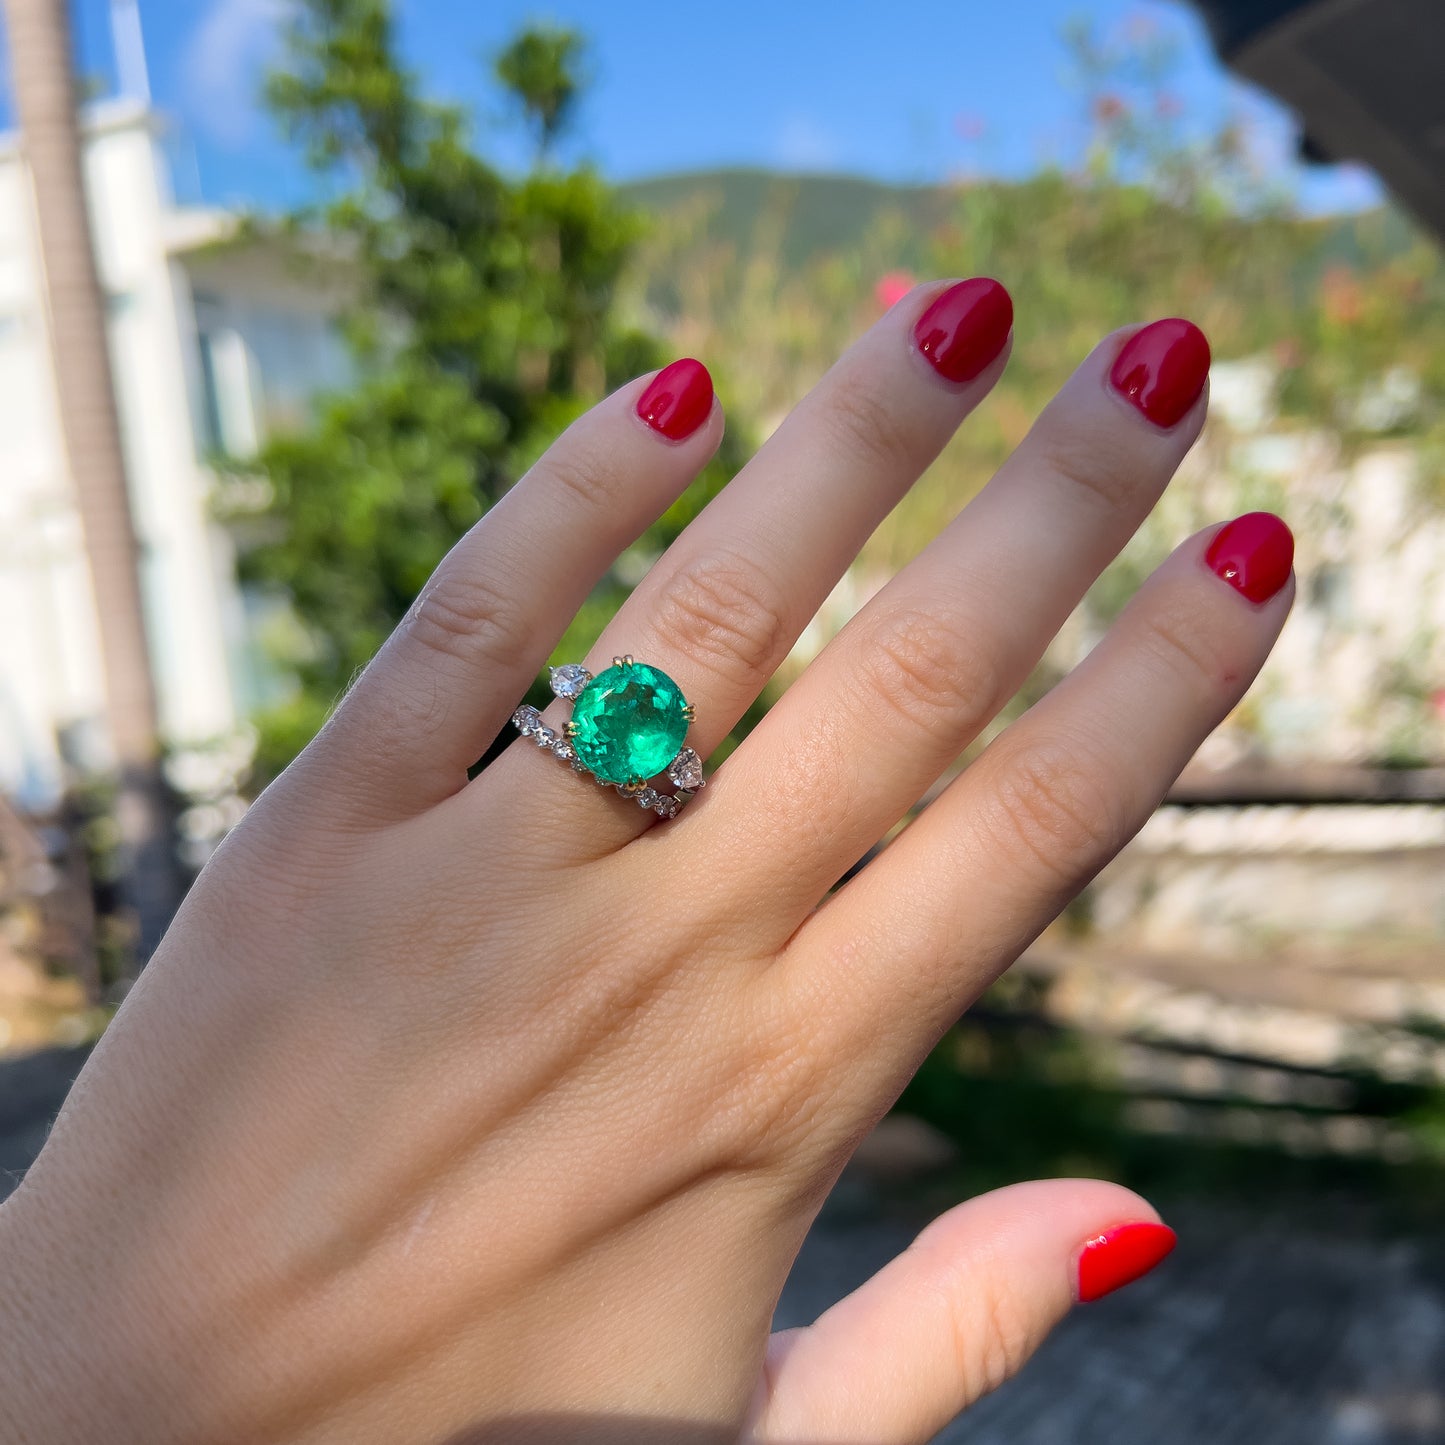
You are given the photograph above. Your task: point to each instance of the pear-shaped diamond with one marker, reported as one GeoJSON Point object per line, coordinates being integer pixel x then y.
{"type": "Point", "coordinates": [569, 679]}
{"type": "Point", "coordinates": [685, 770]}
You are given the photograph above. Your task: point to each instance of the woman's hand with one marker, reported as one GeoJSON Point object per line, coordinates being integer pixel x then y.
{"type": "Point", "coordinates": [449, 1109]}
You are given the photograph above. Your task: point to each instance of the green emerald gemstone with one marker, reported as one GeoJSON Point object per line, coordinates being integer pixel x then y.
{"type": "Point", "coordinates": [629, 722]}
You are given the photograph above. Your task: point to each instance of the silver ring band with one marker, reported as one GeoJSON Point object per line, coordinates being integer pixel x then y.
{"type": "Point", "coordinates": [684, 771]}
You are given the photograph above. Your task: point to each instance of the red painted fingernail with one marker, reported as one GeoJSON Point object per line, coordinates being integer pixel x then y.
{"type": "Point", "coordinates": [1117, 1257]}
{"type": "Point", "coordinates": [965, 328]}
{"type": "Point", "coordinates": [1162, 369]}
{"type": "Point", "coordinates": [1253, 553]}
{"type": "Point", "coordinates": [679, 399]}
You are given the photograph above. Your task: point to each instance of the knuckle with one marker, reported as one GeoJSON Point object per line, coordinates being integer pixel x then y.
{"type": "Point", "coordinates": [722, 610]}
{"type": "Point", "coordinates": [469, 618]}
{"type": "Point", "coordinates": [775, 1102]}
{"type": "Point", "coordinates": [1088, 466]}
{"type": "Point", "coordinates": [1173, 634]}
{"type": "Point", "coordinates": [583, 477]}
{"type": "Point", "coordinates": [987, 1327]}
{"type": "Point", "coordinates": [931, 672]}
{"type": "Point", "coordinates": [762, 1095]}
{"type": "Point", "coordinates": [1050, 806]}
{"type": "Point", "coordinates": [864, 424]}
{"type": "Point", "coordinates": [1001, 1341]}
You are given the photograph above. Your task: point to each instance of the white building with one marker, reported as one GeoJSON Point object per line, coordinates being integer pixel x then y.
{"type": "Point", "coordinates": [214, 338]}
{"type": "Point", "coordinates": [1358, 674]}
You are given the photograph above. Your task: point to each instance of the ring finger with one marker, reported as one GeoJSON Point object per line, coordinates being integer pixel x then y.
{"type": "Point", "coordinates": [915, 677]}
{"type": "Point", "coordinates": [722, 609]}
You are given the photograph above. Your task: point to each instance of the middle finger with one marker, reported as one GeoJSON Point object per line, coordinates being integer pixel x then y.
{"type": "Point", "coordinates": [916, 676]}
{"type": "Point", "coordinates": [722, 609]}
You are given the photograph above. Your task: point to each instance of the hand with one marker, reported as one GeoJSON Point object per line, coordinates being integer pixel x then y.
{"type": "Point", "coordinates": [446, 1107]}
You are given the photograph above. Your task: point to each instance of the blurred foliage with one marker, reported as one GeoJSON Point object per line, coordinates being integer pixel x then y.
{"type": "Point", "coordinates": [1159, 220]}
{"type": "Point", "coordinates": [490, 311]}
{"type": "Point", "coordinates": [1024, 1097]}
{"type": "Point", "coordinates": [541, 68]}
{"type": "Point", "coordinates": [483, 322]}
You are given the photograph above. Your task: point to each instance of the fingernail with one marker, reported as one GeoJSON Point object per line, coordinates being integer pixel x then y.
{"type": "Point", "coordinates": [1253, 553]}
{"type": "Point", "coordinates": [1114, 1259]}
{"type": "Point", "coordinates": [1162, 369]}
{"type": "Point", "coordinates": [678, 400]}
{"type": "Point", "coordinates": [965, 328]}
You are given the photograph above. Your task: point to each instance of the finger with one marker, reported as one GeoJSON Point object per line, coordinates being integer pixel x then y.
{"type": "Point", "coordinates": [962, 892]}
{"type": "Point", "coordinates": [722, 609]}
{"type": "Point", "coordinates": [925, 666]}
{"type": "Point", "coordinates": [955, 1315]}
{"type": "Point", "coordinates": [449, 676]}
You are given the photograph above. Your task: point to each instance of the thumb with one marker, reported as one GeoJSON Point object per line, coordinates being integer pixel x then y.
{"type": "Point", "coordinates": [955, 1315]}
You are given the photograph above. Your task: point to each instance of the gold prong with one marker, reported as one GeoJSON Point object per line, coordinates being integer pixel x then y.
{"type": "Point", "coordinates": [569, 729]}
{"type": "Point", "coordinates": [628, 660]}
{"type": "Point", "coordinates": [690, 713]}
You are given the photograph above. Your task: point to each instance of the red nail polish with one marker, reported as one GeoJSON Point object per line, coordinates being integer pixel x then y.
{"type": "Point", "coordinates": [1115, 1258]}
{"type": "Point", "coordinates": [1162, 369]}
{"type": "Point", "coordinates": [1253, 553]}
{"type": "Point", "coordinates": [678, 400]}
{"type": "Point", "coordinates": [965, 328]}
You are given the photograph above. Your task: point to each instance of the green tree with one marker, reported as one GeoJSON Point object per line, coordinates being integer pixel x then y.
{"type": "Point", "coordinates": [541, 68]}
{"type": "Point", "coordinates": [484, 321]}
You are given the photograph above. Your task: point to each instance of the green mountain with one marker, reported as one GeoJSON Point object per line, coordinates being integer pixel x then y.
{"type": "Point", "coordinates": [806, 216]}
{"type": "Point", "coordinates": [813, 214]}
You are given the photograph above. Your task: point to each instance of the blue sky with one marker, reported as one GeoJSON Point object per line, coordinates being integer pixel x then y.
{"type": "Point", "coordinates": [916, 90]}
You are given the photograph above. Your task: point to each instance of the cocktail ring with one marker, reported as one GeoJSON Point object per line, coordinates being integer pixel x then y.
{"type": "Point", "coordinates": [628, 726]}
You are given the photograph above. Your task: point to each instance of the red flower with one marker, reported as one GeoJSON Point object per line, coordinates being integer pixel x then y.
{"type": "Point", "coordinates": [892, 288]}
{"type": "Point", "coordinates": [1341, 298]}
{"type": "Point", "coordinates": [969, 125]}
{"type": "Point", "coordinates": [1109, 108]}
{"type": "Point", "coordinates": [1288, 353]}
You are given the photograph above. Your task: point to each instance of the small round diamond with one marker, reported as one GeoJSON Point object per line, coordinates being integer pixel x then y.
{"type": "Point", "coordinates": [526, 720]}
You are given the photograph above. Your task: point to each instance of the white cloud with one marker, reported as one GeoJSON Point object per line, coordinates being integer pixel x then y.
{"type": "Point", "coordinates": [805, 145]}
{"type": "Point", "coordinates": [223, 62]}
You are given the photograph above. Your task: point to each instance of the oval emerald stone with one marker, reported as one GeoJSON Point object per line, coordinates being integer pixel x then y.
{"type": "Point", "coordinates": [629, 722]}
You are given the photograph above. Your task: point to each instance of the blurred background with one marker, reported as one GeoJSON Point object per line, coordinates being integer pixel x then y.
{"type": "Point", "coordinates": [292, 290]}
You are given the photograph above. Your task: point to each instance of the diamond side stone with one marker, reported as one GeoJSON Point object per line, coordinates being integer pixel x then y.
{"type": "Point", "coordinates": [569, 679]}
{"type": "Point", "coordinates": [686, 770]}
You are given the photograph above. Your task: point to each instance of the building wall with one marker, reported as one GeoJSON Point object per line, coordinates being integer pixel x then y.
{"type": "Point", "coordinates": [182, 319]}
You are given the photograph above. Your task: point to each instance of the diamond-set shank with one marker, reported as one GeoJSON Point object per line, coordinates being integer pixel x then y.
{"type": "Point", "coordinates": [570, 682]}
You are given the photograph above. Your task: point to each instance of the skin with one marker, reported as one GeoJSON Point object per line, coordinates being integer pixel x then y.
{"type": "Point", "coordinates": [498, 1111]}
